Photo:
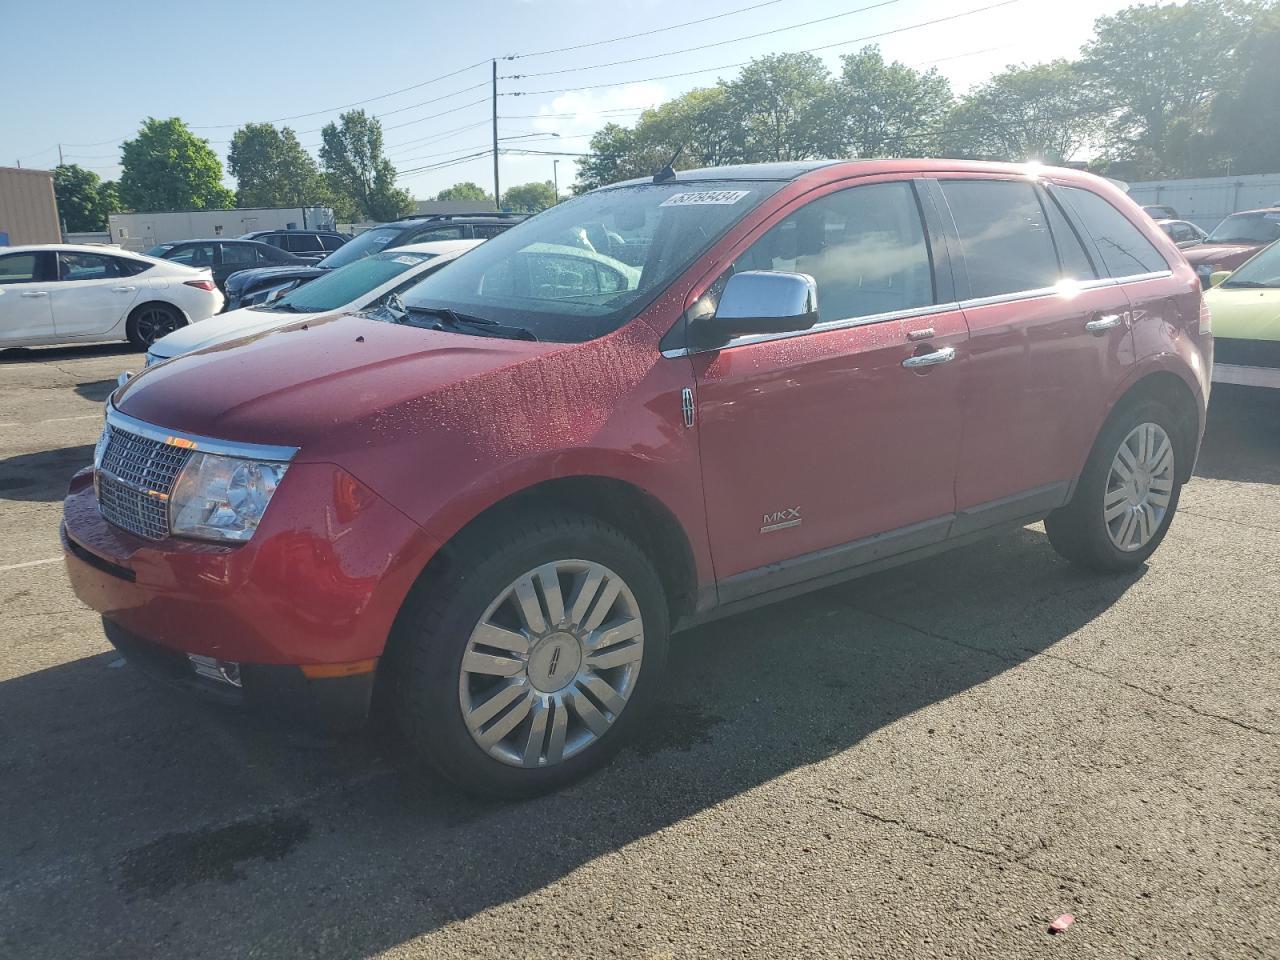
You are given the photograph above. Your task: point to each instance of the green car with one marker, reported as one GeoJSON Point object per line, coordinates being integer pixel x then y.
{"type": "Point", "coordinates": [1246, 321]}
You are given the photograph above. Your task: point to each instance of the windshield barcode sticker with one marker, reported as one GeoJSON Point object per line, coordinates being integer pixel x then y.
{"type": "Point", "coordinates": [705, 196]}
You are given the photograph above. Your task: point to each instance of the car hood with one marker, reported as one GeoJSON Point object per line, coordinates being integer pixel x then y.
{"type": "Point", "coordinates": [227, 326]}
{"type": "Point", "coordinates": [244, 279]}
{"type": "Point", "coordinates": [1244, 314]}
{"type": "Point", "coordinates": [328, 386]}
{"type": "Point", "coordinates": [1227, 254]}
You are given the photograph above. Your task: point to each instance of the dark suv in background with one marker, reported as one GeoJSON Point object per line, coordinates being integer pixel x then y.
{"type": "Point", "coordinates": [254, 286]}
{"type": "Point", "coordinates": [310, 245]}
{"type": "Point", "coordinates": [226, 257]}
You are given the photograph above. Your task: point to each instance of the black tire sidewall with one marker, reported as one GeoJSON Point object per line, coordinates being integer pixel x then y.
{"type": "Point", "coordinates": [131, 326]}
{"type": "Point", "coordinates": [432, 640]}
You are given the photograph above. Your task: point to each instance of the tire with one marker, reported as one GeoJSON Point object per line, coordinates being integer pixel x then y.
{"type": "Point", "coordinates": [1142, 510]}
{"type": "Point", "coordinates": [447, 681]}
{"type": "Point", "coordinates": [151, 321]}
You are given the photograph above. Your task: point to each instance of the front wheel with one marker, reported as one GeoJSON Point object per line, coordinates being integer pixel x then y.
{"type": "Point", "coordinates": [1127, 494]}
{"type": "Point", "coordinates": [529, 666]}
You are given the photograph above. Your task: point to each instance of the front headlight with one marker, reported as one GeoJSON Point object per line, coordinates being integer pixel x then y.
{"type": "Point", "coordinates": [222, 498]}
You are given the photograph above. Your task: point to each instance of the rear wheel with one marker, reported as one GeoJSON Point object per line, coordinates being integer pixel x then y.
{"type": "Point", "coordinates": [528, 667]}
{"type": "Point", "coordinates": [151, 321]}
{"type": "Point", "coordinates": [1127, 494]}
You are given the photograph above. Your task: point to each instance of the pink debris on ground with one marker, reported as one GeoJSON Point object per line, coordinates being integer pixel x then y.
{"type": "Point", "coordinates": [1062, 923]}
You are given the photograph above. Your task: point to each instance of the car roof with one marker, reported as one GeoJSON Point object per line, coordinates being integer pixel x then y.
{"type": "Point", "coordinates": [1259, 210]}
{"type": "Point", "coordinates": [414, 219]}
{"type": "Point", "coordinates": [111, 250]}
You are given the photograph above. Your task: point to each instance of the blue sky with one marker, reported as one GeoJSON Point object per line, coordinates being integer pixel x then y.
{"type": "Point", "coordinates": [86, 73]}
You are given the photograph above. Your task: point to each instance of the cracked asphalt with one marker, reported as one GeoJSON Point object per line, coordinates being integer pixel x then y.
{"type": "Point", "coordinates": [935, 761]}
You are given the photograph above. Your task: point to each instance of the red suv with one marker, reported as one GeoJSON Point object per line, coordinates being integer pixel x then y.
{"type": "Point", "coordinates": [655, 404]}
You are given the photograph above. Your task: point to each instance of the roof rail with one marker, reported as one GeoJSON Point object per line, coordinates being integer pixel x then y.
{"type": "Point", "coordinates": [452, 216]}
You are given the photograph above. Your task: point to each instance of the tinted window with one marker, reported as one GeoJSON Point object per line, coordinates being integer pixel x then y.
{"type": "Point", "coordinates": [864, 246]}
{"type": "Point", "coordinates": [193, 255]}
{"type": "Point", "coordinates": [302, 243]}
{"type": "Point", "coordinates": [238, 255]}
{"type": "Point", "coordinates": [86, 266]}
{"type": "Point", "coordinates": [439, 233]}
{"type": "Point", "coordinates": [1124, 250]}
{"type": "Point", "coordinates": [1076, 263]}
{"type": "Point", "coordinates": [18, 268]}
{"type": "Point", "coordinates": [1004, 234]}
{"type": "Point", "coordinates": [331, 242]}
{"type": "Point", "coordinates": [486, 230]}
{"type": "Point", "coordinates": [131, 268]}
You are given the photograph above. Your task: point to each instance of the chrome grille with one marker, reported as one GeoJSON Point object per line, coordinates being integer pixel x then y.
{"type": "Point", "coordinates": [135, 478]}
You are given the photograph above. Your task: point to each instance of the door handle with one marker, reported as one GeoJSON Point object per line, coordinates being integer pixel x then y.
{"type": "Point", "coordinates": [35, 293]}
{"type": "Point", "coordinates": [123, 289]}
{"type": "Point", "coordinates": [944, 355]}
{"type": "Point", "coordinates": [1106, 321]}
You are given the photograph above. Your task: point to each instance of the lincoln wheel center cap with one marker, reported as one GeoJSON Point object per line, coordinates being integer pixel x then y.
{"type": "Point", "coordinates": [554, 661]}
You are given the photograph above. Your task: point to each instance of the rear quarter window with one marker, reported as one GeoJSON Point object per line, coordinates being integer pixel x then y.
{"type": "Point", "coordinates": [1124, 250]}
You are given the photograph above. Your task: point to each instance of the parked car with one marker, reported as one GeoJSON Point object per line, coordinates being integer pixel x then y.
{"type": "Point", "coordinates": [499, 500]}
{"type": "Point", "coordinates": [1184, 233]}
{"type": "Point", "coordinates": [1246, 319]}
{"type": "Point", "coordinates": [223, 257]}
{"type": "Point", "coordinates": [365, 284]}
{"type": "Point", "coordinates": [309, 245]}
{"type": "Point", "coordinates": [254, 286]}
{"type": "Point", "coordinates": [1160, 211]}
{"type": "Point", "coordinates": [71, 293]}
{"type": "Point", "coordinates": [1233, 241]}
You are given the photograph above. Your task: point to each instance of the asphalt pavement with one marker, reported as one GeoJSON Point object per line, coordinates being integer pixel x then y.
{"type": "Point", "coordinates": [936, 761]}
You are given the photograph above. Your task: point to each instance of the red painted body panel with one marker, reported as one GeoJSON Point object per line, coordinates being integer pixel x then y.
{"type": "Point", "coordinates": [406, 435]}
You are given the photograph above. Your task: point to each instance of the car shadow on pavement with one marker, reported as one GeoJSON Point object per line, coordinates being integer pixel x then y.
{"type": "Point", "coordinates": [96, 390]}
{"type": "Point", "coordinates": [139, 823]}
{"type": "Point", "coordinates": [1242, 436]}
{"type": "Point", "coordinates": [73, 352]}
{"type": "Point", "coordinates": [42, 476]}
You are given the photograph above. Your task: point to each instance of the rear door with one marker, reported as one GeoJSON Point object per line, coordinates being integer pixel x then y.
{"type": "Point", "coordinates": [92, 296]}
{"type": "Point", "coordinates": [25, 313]}
{"type": "Point", "coordinates": [1049, 337]}
{"type": "Point", "coordinates": [815, 441]}
{"type": "Point", "coordinates": [234, 257]}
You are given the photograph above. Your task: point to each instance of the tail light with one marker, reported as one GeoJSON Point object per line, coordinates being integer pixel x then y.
{"type": "Point", "coordinates": [1206, 318]}
{"type": "Point", "coordinates": [207, 285]}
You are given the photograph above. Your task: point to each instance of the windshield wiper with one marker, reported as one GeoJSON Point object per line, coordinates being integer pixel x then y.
{"type": "Point", "coordinates": [449, 319]}
{"type": "Point", "coordinates": [283, 306]}
{"type": "Point", "coordinates": [1247, 283]}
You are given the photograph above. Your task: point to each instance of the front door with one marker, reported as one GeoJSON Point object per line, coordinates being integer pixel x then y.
{"type": "Point", "coordinates": [25, 313]}
{"type": "Point", "coordinates": [91, 296]}
{"type": "Point", "coordinates": [1049, 339]}
{"type": "Point", "coordinates": [814, 442]}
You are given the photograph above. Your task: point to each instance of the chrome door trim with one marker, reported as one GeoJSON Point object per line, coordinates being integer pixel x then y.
{"type": "Point", "coordinates": [944, 355]}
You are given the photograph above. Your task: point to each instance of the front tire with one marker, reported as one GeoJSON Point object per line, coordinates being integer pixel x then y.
{"type": "Point", "coordinates": [530, 663]}
{"type": "Point", "coordinates": [1127, 495]}
{"type": "Point", "coordinates": [151, 321]}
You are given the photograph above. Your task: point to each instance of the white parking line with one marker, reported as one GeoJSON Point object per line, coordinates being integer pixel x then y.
{"type": "Point", "coordinates": [29, 563]}
{"type": "Point", "coordinates": [31, 423]}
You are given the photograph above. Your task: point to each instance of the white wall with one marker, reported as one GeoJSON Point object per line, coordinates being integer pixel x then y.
{"type": "Point", "coordinates": [138, 231]}
{"type": "Point", "coordinates": [1206, 201]}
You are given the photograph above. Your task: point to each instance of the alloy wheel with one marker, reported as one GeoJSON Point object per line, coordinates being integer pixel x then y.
{"type": "Point", "coordinates": [552, 663]}
{"type": "Point", "coordinates": [1139, 487]}
{"type": "Point", "coordinates": [154, 323]}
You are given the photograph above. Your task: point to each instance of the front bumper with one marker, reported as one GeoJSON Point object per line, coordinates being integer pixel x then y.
{"type": "Point", "coordinates": [317, 587]}
{"type": "Point", "coordinates": [1247, 363]}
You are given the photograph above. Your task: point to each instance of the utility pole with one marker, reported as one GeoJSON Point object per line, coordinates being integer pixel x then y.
{"type": "Point", "coordinates": [497, 190]}
{"type": "Point", "coordinates": [59, 154]}
{"type": "Point", "coordinates": [555, 177]}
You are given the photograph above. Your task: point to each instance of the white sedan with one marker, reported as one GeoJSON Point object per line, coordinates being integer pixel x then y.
{"type": "Point", "coordinates": [359, 285]}
{"type": "Point", "coordinates": [64, 293]}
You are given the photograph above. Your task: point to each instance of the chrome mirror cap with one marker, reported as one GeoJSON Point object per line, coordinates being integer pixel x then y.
{"type": "Point", "coordinates": [755, 296]}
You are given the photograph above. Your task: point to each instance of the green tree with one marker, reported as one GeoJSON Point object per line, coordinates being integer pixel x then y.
{"type": "Point", "coordinates": [272, 169]}
{"type": "Point", "coordinates": [167, 167]}
{"type": "Point", "coordinates": [888, 109]}
{"type": "Point", "coordinates": [530, 197]}
{"type": "Point", "coordinates": [785, 105]}
{"type": "Point", "coordinates": [1024, 113]}
{"type": "Point", "coordinates": [618, 153]}
{"type": "Point", "coordinates": [703, 122]}
{"type": "Point", "coordinates": [356, 169]}
{"type": "Point", "coordinates": [84, 200]}
{"type": "Point", "coordinates": [1246, 120]}
{"type": "Point", "coordinates": [465, 191]}
{"type": "Point", "coordinates": [1157, 69]}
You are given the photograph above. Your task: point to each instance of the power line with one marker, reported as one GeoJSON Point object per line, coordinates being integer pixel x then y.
{"type": "Point", "coordinates": [572, 116]}
{"type": "Point", "coordinates": [743, 63]}
{"type": "Point", "coordinates": [707, 46]}
{"type": "Point", "coordinates": [644, 33]}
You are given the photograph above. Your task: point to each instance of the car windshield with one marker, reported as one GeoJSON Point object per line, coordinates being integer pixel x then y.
{"type": "Point", "coordinates": [339, 287]}
{"type": "Point", "coordinates": [371, 241]}
{"type": "Point", "coordinates": [159, 250]}
{"type": "Point", "coordinates": [1262, 271]}
{"type": "Point", "coordinates": [582, 268]}
{"type": "Point", "coordinates": [1247, 228]}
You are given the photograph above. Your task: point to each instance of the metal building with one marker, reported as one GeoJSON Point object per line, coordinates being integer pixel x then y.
{"type": "Point", "coordinates": [139, 231]}
{"type": "Point", "coordinates": [28, 210]}
{"type": "Point", "coordinates": [1207, 200]}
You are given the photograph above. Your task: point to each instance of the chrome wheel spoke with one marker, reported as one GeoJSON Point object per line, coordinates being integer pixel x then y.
{"type": "Point", "coordinates": [552, 663]}
{"type": "Point", "coordinates": [1159, 498]}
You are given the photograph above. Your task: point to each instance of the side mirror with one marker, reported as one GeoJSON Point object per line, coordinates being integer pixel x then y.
{"type": "Point", "coordinates": [758, 301]}
{"type": "Point", "coordinates": [1218, 276]}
